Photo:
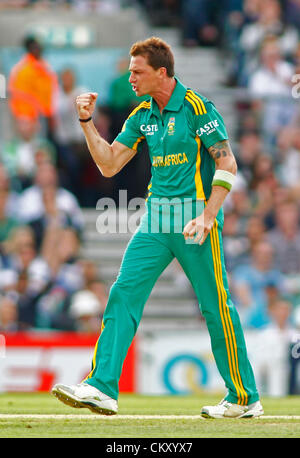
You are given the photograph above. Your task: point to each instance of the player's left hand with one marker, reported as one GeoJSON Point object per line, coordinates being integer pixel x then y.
{"type": "Point", "coordinates": [198, 228]}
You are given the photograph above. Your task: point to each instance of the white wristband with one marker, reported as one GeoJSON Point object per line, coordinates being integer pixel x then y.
{"type": "Point", "coordinates": [223, 178]}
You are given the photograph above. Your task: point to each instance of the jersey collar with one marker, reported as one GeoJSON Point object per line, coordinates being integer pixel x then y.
{"type": "Point", "coordinates": [175, 101]}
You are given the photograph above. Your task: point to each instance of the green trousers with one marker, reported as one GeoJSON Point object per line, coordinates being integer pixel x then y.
{"type": "Point", "coordinates": [147, 255]}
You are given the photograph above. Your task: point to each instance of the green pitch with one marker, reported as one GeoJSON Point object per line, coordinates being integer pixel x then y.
{"type": "Point", "coordinates": [19, 418]}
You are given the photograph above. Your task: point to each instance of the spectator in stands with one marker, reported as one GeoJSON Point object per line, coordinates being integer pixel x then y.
{"type": "Point", "coordinates": [19, 154]}
{"type": "Point", "coordinates": [68, 136]}
{"type": "Point", "coordinates": [284, 142]}
{"type": "Point", "coordinates": [7, 222]}
{"type": "Point", "coordinates": [272, 350]}
{"type": "Point", "coordinates": [95, 6]}
{"type": "Point", "coordinates": [241, 14]}
{"type": "Point", "coordinates": [33, 86]}
{"type": "Point", "coordinates": [285, 238]}
{"type": "Point", "coordinates": [122, 99]}
{"type": "Point", "coordinates": [239, 202]}
{"type": "Point", "coordinates": [273, 76]}
{"type": "Point", "coordinates": [240, 239]}
{"type": "Point", "coordinates": [263, 185]}
{"type": "Point", "coordinates": [93, 282]}
{"type": "Point", "coordinates": [238, 209]}
{"type": "Point", "coordinates": [252, 283]}
{"type": "Point", "coordinates": [84, 308]}
{"type": "Point", "coordinates": [296, 58]}
{"type": "Point", "coordinates": [289, 169]}
{"type": "Point", "coordinates": [61, 251]}
{"type": "Point", "coordinates": [248, 120]}
{"type": "Point", "coordinates": [8, 217]}
{"type": "Point", "coordinates": [269, 24]}
{"type": "Point", "coordinates": [161, 13]}
{"type": "Point", "coordinates": [33, 274]}
{"type": "Point", "coordinates": [273, 81]}
{"type": "Point", "coordinates": [281, 195]}
{"type": "Point", "coordinates": [198, 24]}
{"type": "Point", "coordinates": [292, 12]}
{"type": "Point", "coordinates": [8, 314]}
{"type": "Point", "coordinates": [250, 148]}
{"type": "Point", "coordinates": [9, 282]}
{"type": "Point", "coordinates": [52, 218]}
{"type": "Point", "coordinates": [255, 231]}
{"type": "Point", "coordinates": [32, 201]}
{"type": "Point", "coordinates": [11, 197]}
{"type": "Point", "coordinates": [87, 311]}
{"type": "Point", "coordinates": [235, 243]}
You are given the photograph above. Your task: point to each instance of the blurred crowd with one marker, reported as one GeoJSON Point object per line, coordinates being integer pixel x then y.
{"type": "Point", "coordinates": [46, 177]}
{"type": "Point", "coordinates": [97, 6]}
{"type": "Point", "coordinates": [45, 282]}
{"type": "Point", "coordinates": [262, 231]}
{"type": "Point", "coordinates": [261, 49]}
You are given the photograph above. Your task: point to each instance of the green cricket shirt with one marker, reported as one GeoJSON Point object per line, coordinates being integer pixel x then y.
{"type": "Point", "coordinates": [178, 139]}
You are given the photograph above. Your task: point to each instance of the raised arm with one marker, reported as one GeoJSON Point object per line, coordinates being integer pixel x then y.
{"type": "Point", "coordinates": [110, 159]}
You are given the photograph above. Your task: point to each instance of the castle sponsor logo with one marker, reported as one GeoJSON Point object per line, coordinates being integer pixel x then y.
{"type": "Point", "coordinates": [149, 129]}
{"type": "Point", "coordinates": [208, 128]}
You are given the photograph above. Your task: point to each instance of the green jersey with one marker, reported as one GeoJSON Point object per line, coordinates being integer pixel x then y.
{"type": "Point", "coordinates": [178, 139]}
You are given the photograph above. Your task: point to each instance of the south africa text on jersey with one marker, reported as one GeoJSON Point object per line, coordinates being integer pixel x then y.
{"type": "Point", "coordinates": [169, 159]}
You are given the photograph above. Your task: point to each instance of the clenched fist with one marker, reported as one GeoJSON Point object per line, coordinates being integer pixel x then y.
{"type": "Point", "coordinates": [85, 104]}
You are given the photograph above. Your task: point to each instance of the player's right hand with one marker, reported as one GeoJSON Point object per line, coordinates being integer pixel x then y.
{"type": "Point", "coordinates": [85, 104]}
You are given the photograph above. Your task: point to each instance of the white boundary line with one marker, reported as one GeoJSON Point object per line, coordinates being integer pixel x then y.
{"type": "Point", "coordinates": [126, 417]}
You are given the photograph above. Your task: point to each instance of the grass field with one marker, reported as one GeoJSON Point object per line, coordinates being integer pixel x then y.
{"type": "Point", "coordinates": [43, 416]}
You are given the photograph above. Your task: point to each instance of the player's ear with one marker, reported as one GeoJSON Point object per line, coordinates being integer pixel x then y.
{"type": "Point", "coordinates": [162, 72]}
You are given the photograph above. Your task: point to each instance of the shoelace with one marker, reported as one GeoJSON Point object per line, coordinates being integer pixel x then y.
{"type": "Point", "coordinates": [225, 403]}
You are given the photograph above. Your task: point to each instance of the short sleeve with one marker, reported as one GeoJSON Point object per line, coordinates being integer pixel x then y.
{"type": "Point", "coordinates": [130, 134]}
{"type": "Point", "coordinates": [210, 126]}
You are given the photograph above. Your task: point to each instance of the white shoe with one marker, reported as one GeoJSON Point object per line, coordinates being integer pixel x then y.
{"type": "Point", "coordinates": [228, 410]}
{"type": "Point", "coordinates": [84, 395]}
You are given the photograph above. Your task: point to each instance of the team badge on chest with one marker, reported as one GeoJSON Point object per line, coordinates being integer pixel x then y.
{"type": "Point", "coordinates": [171, 126]}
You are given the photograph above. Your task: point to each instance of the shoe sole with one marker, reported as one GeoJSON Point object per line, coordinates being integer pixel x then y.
{"type": "Point", "coordinates": [244, 415]}
{"type": "Point", "coordinates": [206, 415]}
{"type": "Point", "coordinates": [70, 401]}
{"type": "Point", "coordinates": [252, 414]}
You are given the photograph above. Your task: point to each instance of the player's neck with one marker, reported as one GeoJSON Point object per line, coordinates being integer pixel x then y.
{"type": "Point", "coordinates": [164, 92]}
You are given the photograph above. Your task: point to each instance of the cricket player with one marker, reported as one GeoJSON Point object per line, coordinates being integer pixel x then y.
{"type": "Point", "coordinates": [193, 169]}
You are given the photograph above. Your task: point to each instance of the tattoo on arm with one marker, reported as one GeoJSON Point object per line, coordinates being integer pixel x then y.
{"type": "Point", "coordinates": [219, 150]}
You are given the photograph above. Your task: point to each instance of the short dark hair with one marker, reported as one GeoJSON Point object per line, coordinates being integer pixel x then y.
{"type": "Point", "coordinates": [31, 41]}
{"type": "Point", "coordinates": [157, 52]}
